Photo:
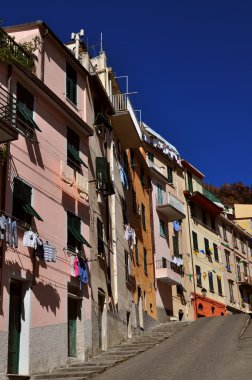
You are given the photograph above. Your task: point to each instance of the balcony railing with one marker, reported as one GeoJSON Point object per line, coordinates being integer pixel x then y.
{"type": "Point", "coordinates": [10, 50]}
{"type": "Point", "coordinates": [166, 264]}
{"type": "Point", "coordinates": [161, 170]}
{"type": "Point", "coordinates": [8, 108]}
{"type": "Point", "coordinates": [196, 186]}
{"type": "Point", "coordinates": [243, 278]}
{"type": "Point", "coordinates": [167, 199]}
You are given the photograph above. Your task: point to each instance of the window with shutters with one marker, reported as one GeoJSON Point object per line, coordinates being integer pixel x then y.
{"type": "Point", "coordinates": [143, 217]}
{"type": "Point", "coordinates": [126, 259]}
{"type": "Point", "coordinates": [145, 262]}
{"type": "Point", "coordinates": [142, 176]}
{"type": "Point", "coordinates": [204, 216]}
{"type": "Point", "coordinates": [136, 252]}
{"type": "Point", "coordinates": [22, 202]}
{"type": "Point", "coordinates": [175, 246]}
{"type": "Point", "coordinates": [73, 224]}
{"type": "Point", "coordinates": [190, 182]}
{"type": "Point", "coordinates": [231, 290]}
{"type": "Point", "coordinates": [216, 253]}
{"type": "Point", "coordinates": [213, 222]}
{"type": "Point", "coordinates": [25, 107]}
{"type": "Point", "coordinates": [210, 280]}
{"type": "Point", "coordinates": [198, 275]}
{"type": "Point", "coordinates": [224, 231]}
{"type": "Point", "coordinates": [219, 284]}
{"type": "Point", "coordinates": [162, 228]}
{"type": "Point", "coordinates": [170, 175]}
{"type": "Point", "coordinates": [71, 84]}
{"type": "Point", "coordinates": [134, 203]}
{"type": "Point", "coordinates": [132, 159]}
{"type": "Point", "coordinates": [73, 148]}
{"type": "Point", "coordinates": [195, 241]}
{"type": "Point", "coordinates": [227, 255]}
{"type": "Point", "coordinates": [103, 181]}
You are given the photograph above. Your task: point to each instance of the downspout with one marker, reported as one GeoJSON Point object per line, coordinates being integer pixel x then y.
{"type": "Point", "coordinates": [113, 218]}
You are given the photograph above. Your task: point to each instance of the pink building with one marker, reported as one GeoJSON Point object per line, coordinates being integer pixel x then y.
{"type": "Point", "coordinates": [44, 124]}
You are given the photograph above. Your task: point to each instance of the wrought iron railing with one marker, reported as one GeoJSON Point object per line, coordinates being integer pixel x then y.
{"type": "Point", "coordinates": [164, 198]}
{"type": "Point", "coordinates": [10, 50]}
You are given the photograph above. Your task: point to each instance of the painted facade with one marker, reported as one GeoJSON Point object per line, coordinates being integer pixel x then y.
{"type": "Point", "coordinates": [169, 227]}
{"type": "Point", "coordinates": [45, 186]}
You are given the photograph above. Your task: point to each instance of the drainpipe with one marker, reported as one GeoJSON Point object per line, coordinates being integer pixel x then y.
{"type": "Point", "coordinates": [113, 217]}
{"type": "Point", "coordinates": [191, 254]}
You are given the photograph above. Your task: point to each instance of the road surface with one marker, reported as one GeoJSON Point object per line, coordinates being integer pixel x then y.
{"type": "Point", "coordinates": [208, 349]}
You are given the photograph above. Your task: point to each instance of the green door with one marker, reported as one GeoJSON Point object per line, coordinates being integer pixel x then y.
{"type": "Point", "coordinates": [14, 326]}
{"type": "Point", "coordinates": [72, 318]}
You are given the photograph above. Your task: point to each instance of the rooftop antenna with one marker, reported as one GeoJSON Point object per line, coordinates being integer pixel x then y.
{"type": "Point", "coordinates": [76, 37]}
{"type": "Point", "coordinates": [101, 44]}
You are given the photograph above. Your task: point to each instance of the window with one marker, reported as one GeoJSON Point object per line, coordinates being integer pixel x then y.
{"type": "Point", "coordinates": [245, 265]}
{"type": "Point", "coordinates": [207, 250]}
{"type": "Point", "coordinates": [219, 285]}
{"type": "Point", "coordinates": [231, 290]}
{"type": "Point", "coordinates": [134, 203]}
{"type": "Point", "coordinates": [71, 84]}
{"type": "Point", "coordinates": [213, 309]}
{"type": "Point", "coordinates": [25, 106]}
{"type": "Point", "coordinates": [126, 257]}
{"type": "Point", "coordinates": [235, 240]}
{"type": "Point", "coordinates": [238, 267]}
{"type": "Point", "coordinates": [164, 262]}
{"type": "Point", "coordinates": [150, 157]}
{"type": "Point", "coordinates": [227, 255]}
{"type": "Point", "coordinates": [132, 159]}
{"type": "Point", "coordinates": [198, 273]}
{"type": "Point", "coordinates": [213, 222]}
{"type": "Point", "coordinates": [210, 280]}
{"type": "Point", "coordinates": [103, 181]}
{"type": "Point", "coordinates": [136, 252]}
{"type": "Point", "coordinates": [242, 245]}
{"type": "Point", "coordinates": [169, 175]}
{"type": "Point", "coordinates": [224, 232]}
{"type": "Point", "coordinates": [195, 241]}
{"type": "Point", "coordinates": [216, 253]}
{"type": "Point", "coordinates": [74, 238]}
{"type": "Point", "coordinates": [145, 262]}
{"type": "Point", "coordinates": [73, 147]}
{"type": "Point", "coordinates": [190, 182]}
{"type": "Point", "coordinates": [162, 228]}
{"type": "Point", "coordinates": [204, 216]}
{"type": "Point", "coordinates": [142, 176]}
{"type": "Point", "coordinates": [22, 197]}
{"type": "Point", "coordinates": [160, 193]}
{"type": "Point", "coordinates": [100, 241]}
{"type": "Point", "coordinates": [175, 246]}
{"type": "Point", "coordinates": [143, 217]}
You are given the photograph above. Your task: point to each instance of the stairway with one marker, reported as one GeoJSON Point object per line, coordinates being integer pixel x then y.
{"type": "Point", "coordinates": [120, 353]}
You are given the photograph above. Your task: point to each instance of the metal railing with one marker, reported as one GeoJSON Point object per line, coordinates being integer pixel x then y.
{"type": "Point", "coordinates": [196, 186]}
{"type": "Point", "coordinates": [164, 263]}
{"type": "Point", "coordinates": [119, 102]}
{"type": "Point", "coordinates": [8, 108]}
{"type": "Point", "coordinates": [244, 278]}
{"type": "Point", "coordinates": [10, 50]}
{"type": "Point", "coordinates": [159, 169]}
{"type": "Point", "coordinates": [164, 198]}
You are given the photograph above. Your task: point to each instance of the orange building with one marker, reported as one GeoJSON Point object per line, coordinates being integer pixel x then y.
{"type": "Point", "coordinates": [207, 307]}
{"type": "Point", "coordinates": [140, 220]}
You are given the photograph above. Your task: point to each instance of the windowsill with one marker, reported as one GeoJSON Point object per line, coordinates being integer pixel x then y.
{"type": "Point", "coordinates": [211, 291]}
{"type": "Point", "coordinates": [162, 236]}
{"type": "Point", "coordinates": [220, 294]}
{"type": "Point", "coordinates": [72, 104]}
{"type": "Point", "coordinates": [199, 285]}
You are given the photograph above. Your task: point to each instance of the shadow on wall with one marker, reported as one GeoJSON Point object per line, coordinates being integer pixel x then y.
{"type": "Point", "coordinates": [44, 291]}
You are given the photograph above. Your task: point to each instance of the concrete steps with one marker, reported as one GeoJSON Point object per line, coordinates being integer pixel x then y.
{"type": "Point", "coordinates": [132, 347]}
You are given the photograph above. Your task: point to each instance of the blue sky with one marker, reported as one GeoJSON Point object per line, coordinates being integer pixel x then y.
{"type": "Point", "coordinates": [190, 62]}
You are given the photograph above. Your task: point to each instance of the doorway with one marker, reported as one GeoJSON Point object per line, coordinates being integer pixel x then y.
{"type": "Point", "coordinates": [102, 321]}
{"type": "Point", "coordinates": [14, 326]}
{"type": "Point", "coordinates": [72, 327]}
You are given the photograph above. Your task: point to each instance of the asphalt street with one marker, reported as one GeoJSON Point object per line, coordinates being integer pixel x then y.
{"type": "Point", "coordinates": [208, 349]}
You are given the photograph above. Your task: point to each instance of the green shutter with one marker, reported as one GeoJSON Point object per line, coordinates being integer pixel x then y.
{"type": "Point", "coordinates": [72, 151]}
{"type": "Point", "coordinates": [26, 115]}
{"type": "Point", "coordinates": [190, 182]}
{"type": "Point", "coordinates": [175, 246]}
{"type": "Point", "coordinates": [195, 241]}
{"type": "Point", "coordinates": [30, 210]}
{"type": "Point", "coordinates": [169, 175]}
{"type": "Point", "coordinates": [103, 119]}
{"type": "Point", "coordinates": [102, 174]}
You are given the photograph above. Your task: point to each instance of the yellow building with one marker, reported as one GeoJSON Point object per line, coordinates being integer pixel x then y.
{"type": "Point", "coordinates": [243, 216]}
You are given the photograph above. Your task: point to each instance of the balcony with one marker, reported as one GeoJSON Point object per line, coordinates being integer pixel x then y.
{"type": "Point", "coordinates": [170, 206]}
{"type": "Point", "coordinates": [125, 122]}
{"type": "Point", "coordinates": [204, 198]}
{"type": "Point", "coordinates": [158, 171]}
{"type": "Point", "coordinates": [11, 51]}
{"type": "Point", "coordinates": [244, 280]}
{"type": "Point", "coordinates": [168, 272]}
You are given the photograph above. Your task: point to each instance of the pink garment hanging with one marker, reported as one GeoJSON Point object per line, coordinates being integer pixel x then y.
{"type": "Point", "coordinates": [76, 268]}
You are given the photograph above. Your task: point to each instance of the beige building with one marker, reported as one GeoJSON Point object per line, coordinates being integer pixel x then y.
{"type": "Point", "coordinates": [243, 216]}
